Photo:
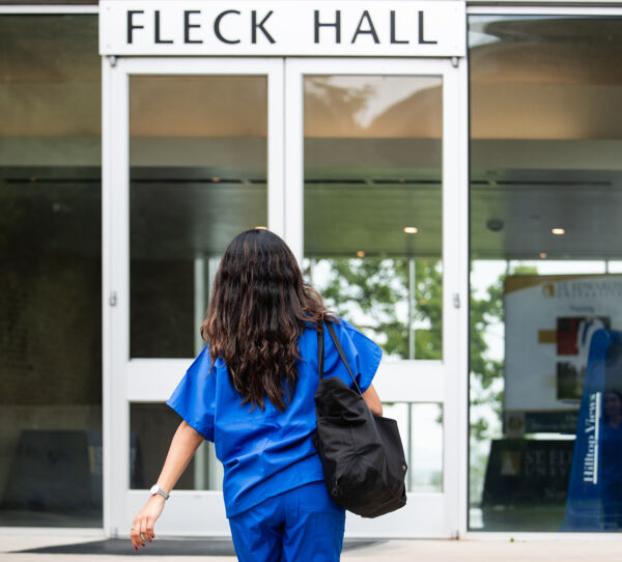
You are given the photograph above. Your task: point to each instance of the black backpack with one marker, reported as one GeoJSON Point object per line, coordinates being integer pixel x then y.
{"type": "Point", "coordinates": [362, 454]}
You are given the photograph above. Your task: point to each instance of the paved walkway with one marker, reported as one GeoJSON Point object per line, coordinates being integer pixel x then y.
{"type": "Point", "coordinates": [562, 549]}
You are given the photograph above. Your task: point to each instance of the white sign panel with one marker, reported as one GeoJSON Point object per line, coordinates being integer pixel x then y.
{"type": "Point", "coordinates": [284, 27]}
{"type": "Point", "coordinates": [549, 321]}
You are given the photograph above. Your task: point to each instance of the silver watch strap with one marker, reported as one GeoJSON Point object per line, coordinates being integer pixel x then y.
{"type": "Point", "coordinates": [159, 490]}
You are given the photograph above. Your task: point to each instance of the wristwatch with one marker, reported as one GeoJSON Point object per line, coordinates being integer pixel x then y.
{"type": "Point", "coordinates": [157, 489]}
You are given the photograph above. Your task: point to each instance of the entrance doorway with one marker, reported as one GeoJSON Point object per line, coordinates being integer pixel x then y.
{"type": "Point", "coordinates": [360, 165]}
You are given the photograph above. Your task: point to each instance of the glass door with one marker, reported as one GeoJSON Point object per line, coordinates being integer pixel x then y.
{"type": "Point", "coordinates": [193, 156]}
{"type": "Point", "coordinates": [374, 173]}
{"type": "Point", "coordinates": [365, 183]}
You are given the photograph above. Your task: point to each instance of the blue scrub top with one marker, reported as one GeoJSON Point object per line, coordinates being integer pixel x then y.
{"type": "Point", "coordinates": [268, 452]}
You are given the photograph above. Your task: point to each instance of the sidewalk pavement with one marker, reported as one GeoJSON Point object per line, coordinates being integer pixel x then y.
{"type": "Point", "coordinates": [558, 549]}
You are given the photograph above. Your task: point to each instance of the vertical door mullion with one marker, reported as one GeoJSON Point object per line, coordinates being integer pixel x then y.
{"type": "Point", "coordinates": [107, 292]}
{"type": "Point", "coordinates": [122, 462]}
{"type": "Point", "coordinates": [115, 166]}
{"type": "Point", "coordinates": [455, 291]}
{"type": "Point", "coordinates": [293, 150]}
{"type": "Point", "coordinates": [463, 234]}
{"type": "Point", "coordinates": [451, 292]}
{"type": "Point", "coordinates": [276, 146]}
{"type": "Point", "coordinates": [107, 285]}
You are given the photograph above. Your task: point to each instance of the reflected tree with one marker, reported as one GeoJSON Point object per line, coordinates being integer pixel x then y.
{"type": "Point", "coordinates": [485, 313]}
{"type": "Point", "coordinates": [375, 295]}
{"type": "Point", "coordinates": [486, 376]}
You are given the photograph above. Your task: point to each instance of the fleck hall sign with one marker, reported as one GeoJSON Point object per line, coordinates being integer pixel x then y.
{"type": "Point", "coordinates": [434, 28]}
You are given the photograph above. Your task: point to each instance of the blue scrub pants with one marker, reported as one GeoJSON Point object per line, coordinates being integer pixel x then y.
{"type": "Point", "coordinates": [301, 525]}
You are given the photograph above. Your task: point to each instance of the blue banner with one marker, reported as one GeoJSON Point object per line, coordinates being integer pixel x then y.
{"type": "Point", "coordinates": [592, 503]}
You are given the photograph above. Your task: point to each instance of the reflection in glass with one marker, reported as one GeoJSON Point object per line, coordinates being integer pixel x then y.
{"type": "Point", "coordinates": [198, 178]}
{"type": "Point", "coordinates": [421, 431]}
{"type": "Point", "coordinates": [427, 447]}
{"type": "Point", "coordinates": [50, 272]}
{"type": "Point", "coordinates": [372, 200]}
{"type": "Point", "coordinates": [152, 426]}
{"type": "Point", "coordinates": [545, 200]}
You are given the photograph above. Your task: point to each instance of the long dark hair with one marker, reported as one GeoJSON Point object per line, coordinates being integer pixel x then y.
{"type": "Point", "coordinates": [256, 313]}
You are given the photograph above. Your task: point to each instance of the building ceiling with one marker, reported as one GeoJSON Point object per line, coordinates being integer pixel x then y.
{"type": "Point", "coordinates": [546, 139]}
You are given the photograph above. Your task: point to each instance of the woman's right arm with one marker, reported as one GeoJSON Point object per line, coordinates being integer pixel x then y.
{"type": "Point", "coordinates": [184, 444]}
{"type": "Point", "coordinates": [373, 400]}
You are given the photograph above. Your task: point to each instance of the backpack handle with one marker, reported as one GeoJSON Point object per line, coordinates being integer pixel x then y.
{"type": "Point", "coordinates": [342, 355]}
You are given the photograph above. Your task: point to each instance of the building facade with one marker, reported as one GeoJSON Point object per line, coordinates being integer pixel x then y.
{"type": "Point", "coordinates": [449, 175]}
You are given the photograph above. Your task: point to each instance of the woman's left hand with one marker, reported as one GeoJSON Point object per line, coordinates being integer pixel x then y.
{"type": "Point", "coordinates": [143, 524]}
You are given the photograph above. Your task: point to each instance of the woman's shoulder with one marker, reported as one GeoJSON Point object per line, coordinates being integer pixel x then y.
{"type": "Point", "coordinates": [345, 330]}
{"type": "Point", "coordinates": [204, 361]}
{"type": "Point", "coordinates": [336, 320]}
{"type": "Point", "coordinates": [352, 330]}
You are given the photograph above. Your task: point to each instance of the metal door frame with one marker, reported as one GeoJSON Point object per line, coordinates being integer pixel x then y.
{"type": "Point", "coordinates": [134, 380]}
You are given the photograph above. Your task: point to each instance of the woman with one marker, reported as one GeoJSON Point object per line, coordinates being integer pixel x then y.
{"type": "Point", "coordinates": [251, 391]}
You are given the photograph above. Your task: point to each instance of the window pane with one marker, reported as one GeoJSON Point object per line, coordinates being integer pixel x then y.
{"type": "Point", "coordinates": [152, 426]}
{"type": "Point", "coordinates": [421, 431]}
{"type": "Point", "coordinates": [50, 272]}
{"type": "Point", "coordinates": [427, 447]}
{"type": "Point", "coordinates": [372, 200]}
{"type": "Point", "coordinates": [198, 178]}
{"type": "Point", "coordinates": [546, 197]}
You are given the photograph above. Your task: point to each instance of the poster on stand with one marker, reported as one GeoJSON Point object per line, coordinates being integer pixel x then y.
{"type": "Point", "coordinates": [549, 321]}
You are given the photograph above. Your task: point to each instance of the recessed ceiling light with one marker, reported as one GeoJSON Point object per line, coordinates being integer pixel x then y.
{"type": "Point", "coordinates": [411, 229]}
{"type": "Point", "coordinates": [558, 231]}
{"type": "Point", "coordinates": [542, 255]}
{"type": "Point", "coordinates": [360, 254]}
